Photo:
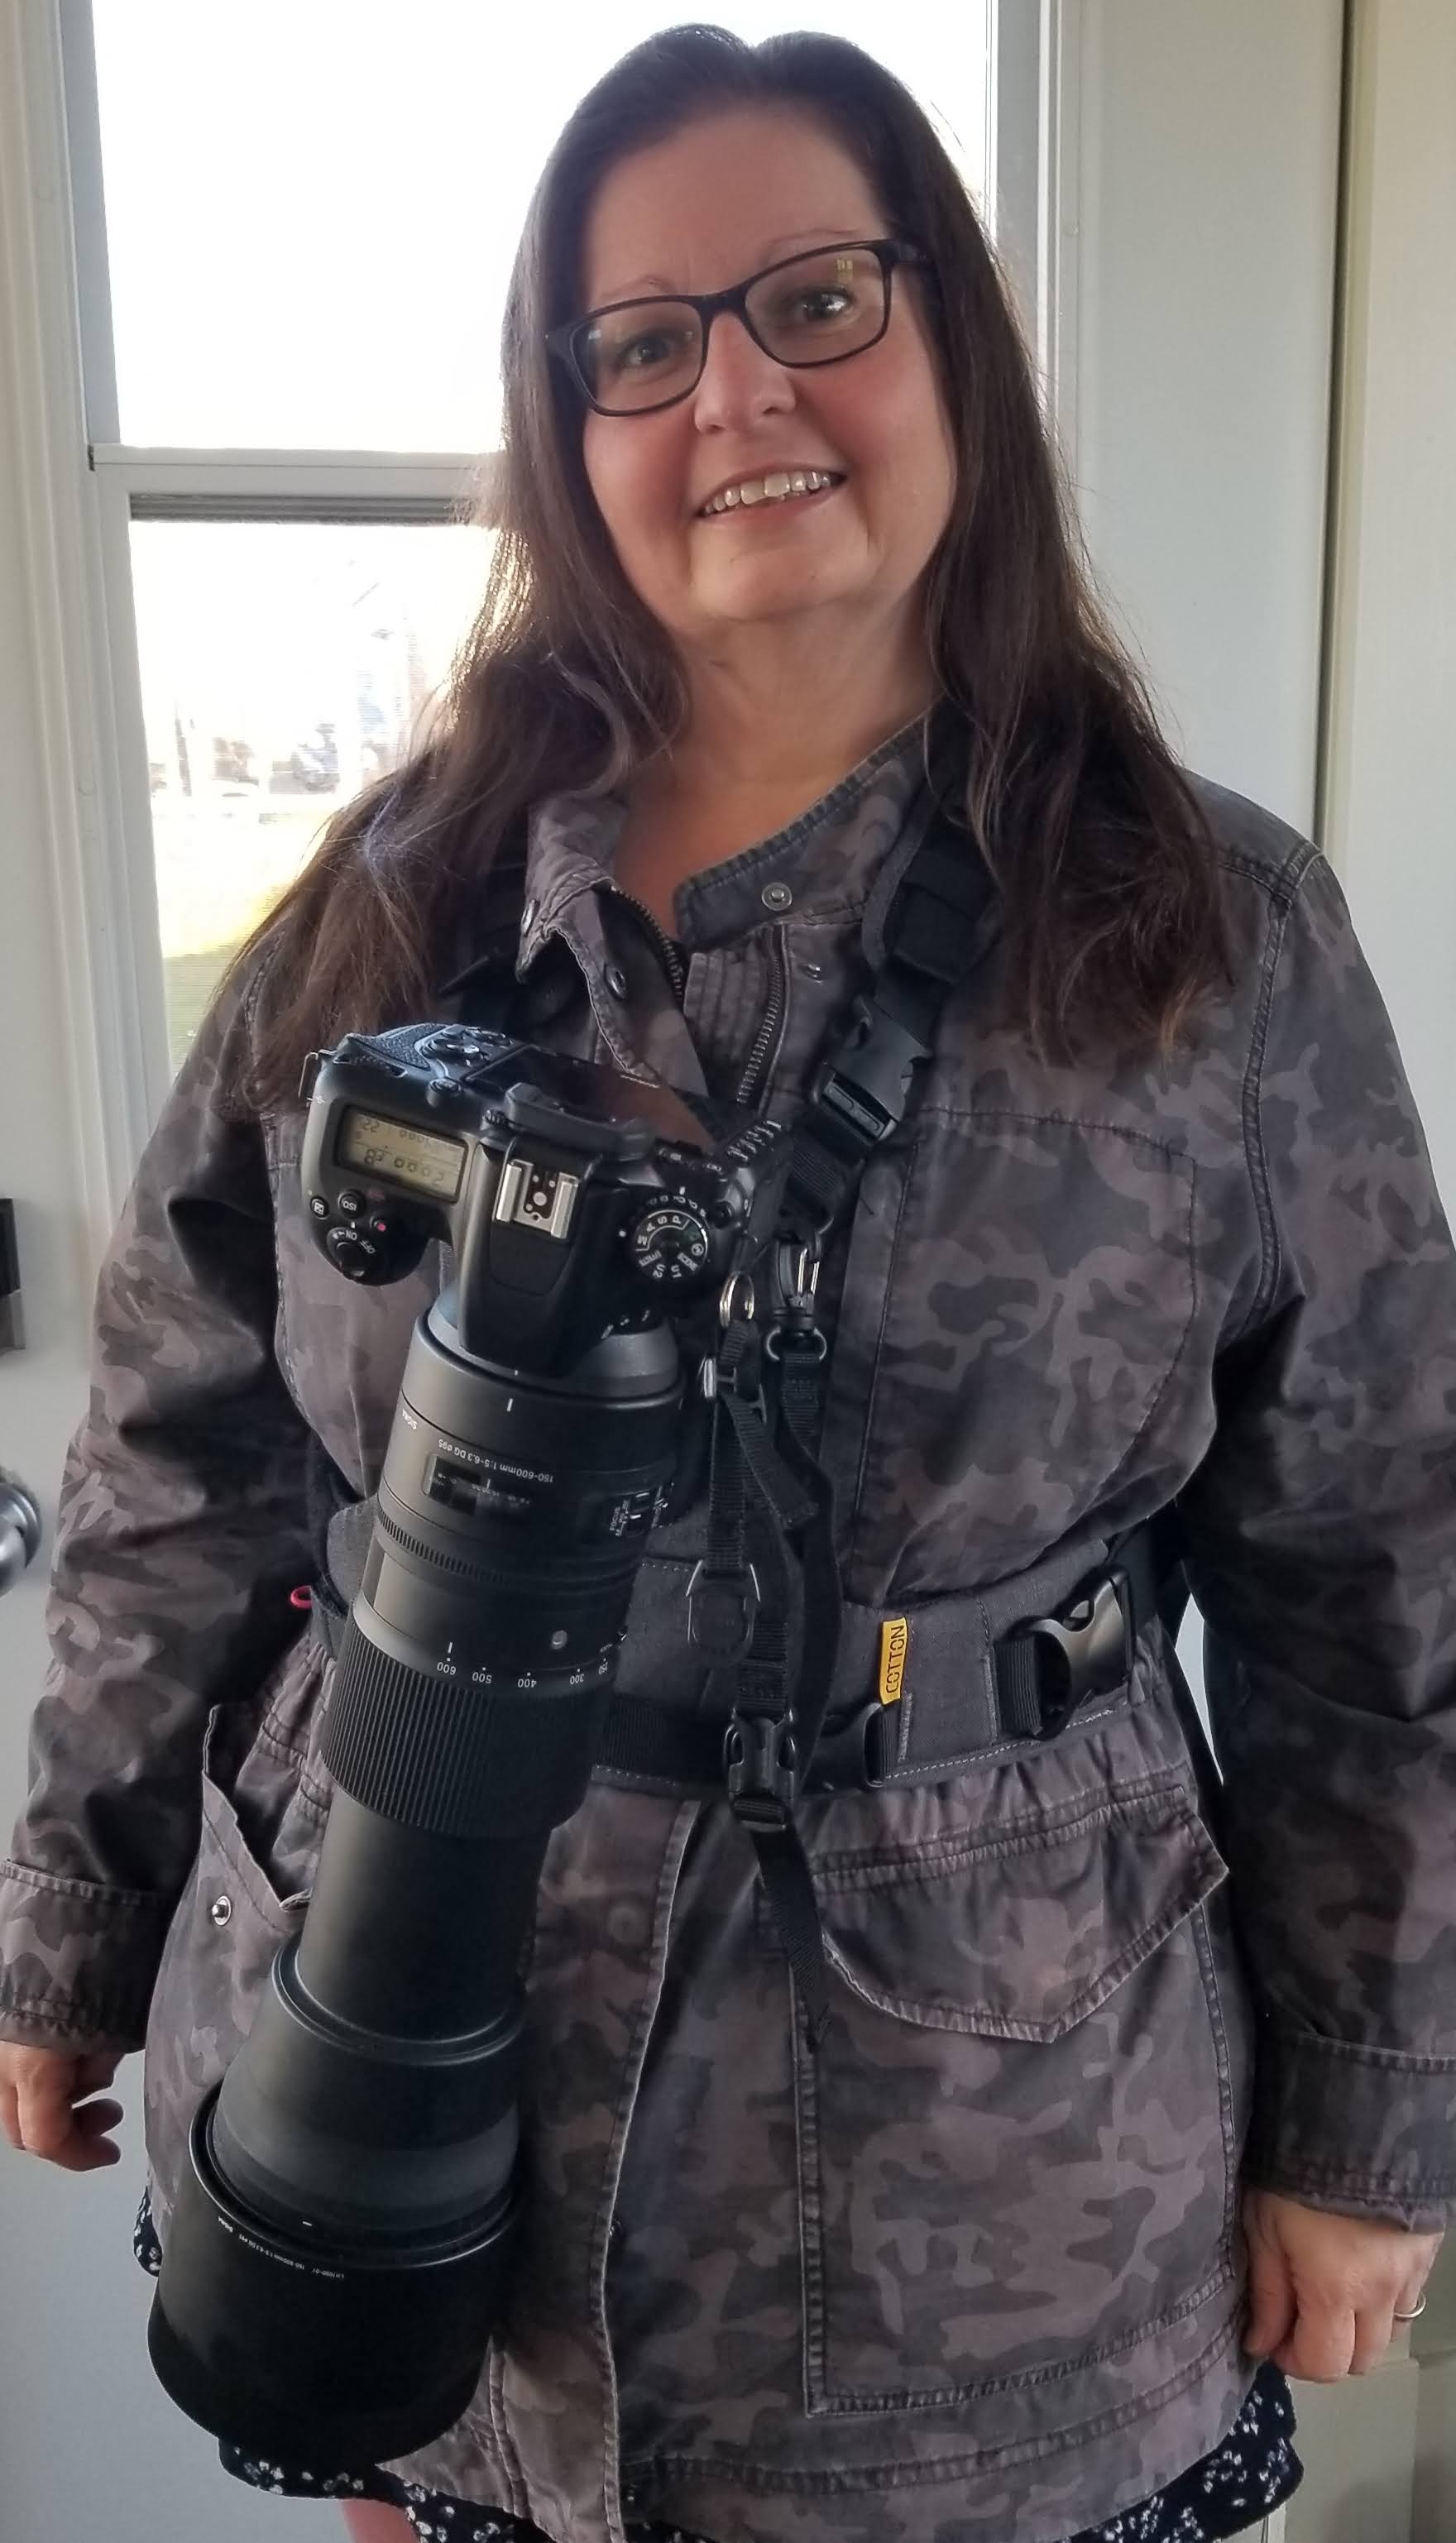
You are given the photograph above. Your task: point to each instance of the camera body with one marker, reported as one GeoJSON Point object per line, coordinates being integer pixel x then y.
{"type": "Point", "coordinates": [577, 1202]}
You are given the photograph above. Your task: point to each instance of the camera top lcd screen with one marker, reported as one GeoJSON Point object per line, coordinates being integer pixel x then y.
{"type": "Point", "coordinates": [417, 1159]}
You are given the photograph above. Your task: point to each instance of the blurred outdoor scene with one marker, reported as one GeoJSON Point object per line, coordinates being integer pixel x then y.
{"type": "Point", "coordinates": [285, 665]}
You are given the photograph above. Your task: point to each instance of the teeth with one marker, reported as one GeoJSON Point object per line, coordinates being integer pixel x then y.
{"type": "Point", "coordinates": [772, 488]}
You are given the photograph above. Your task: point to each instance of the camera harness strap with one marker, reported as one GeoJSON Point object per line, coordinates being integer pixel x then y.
{"type": "Point", "coordinates": [766, 1493]}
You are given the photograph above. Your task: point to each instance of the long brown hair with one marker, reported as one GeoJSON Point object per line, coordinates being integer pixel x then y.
{"type": "Point", "coordinates": [1109, 886]}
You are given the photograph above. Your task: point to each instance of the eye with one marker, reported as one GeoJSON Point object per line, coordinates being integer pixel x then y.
{"type": "Point", "coordinates": [817, 306]}
{"type": "Point", "coordinates": [651, 349]}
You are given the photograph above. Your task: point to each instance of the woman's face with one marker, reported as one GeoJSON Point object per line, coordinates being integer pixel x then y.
{"type": "Point", "coordinates": [699, 212]}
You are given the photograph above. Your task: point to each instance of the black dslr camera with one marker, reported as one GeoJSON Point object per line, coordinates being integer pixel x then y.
{"type": "Point", "coordinates": [335, 2263]}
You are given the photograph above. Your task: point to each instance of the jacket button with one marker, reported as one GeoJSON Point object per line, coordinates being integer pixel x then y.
{"type": "Point", "coordinates": [616, 979]}
{"type": "Point", "coordinates": [221, 1911]}
{"type": "Point", "coordinates": [776, 896]}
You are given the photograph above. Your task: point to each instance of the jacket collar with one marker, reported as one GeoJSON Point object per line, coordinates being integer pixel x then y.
{"type": "Point", "coordinates": [825, 861]}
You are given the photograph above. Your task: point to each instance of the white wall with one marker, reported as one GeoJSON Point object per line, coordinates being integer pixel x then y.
{"type": "Point", "coordinates": [1391, 819]}
{"type": "Point", "coordinates": [1197, 422]}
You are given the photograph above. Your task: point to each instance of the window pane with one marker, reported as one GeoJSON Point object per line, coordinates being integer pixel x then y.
{"type": "Point", "coordinates": [312, 211]}
{"type": "Point", "coordinates": [283, 665]}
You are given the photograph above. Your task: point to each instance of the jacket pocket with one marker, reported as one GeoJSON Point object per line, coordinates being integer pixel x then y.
{"type": "Point", "coordinates": [1017, 2144]}
{"type": "Point", "coordinates": [230, 1922]}
{"type": "Point", "coordinates": [1018, 1296]}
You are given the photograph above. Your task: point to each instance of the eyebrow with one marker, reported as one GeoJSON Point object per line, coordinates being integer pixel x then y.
{"type": "Point", "coordinates": [771, 250]}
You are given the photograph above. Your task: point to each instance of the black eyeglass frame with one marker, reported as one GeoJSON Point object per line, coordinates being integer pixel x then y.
{"type": "Point", "coordinates": [563, 341]}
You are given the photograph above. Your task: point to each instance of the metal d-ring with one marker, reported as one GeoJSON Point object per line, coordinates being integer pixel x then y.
{"type": "Point", "coordinates": [730, 1306]}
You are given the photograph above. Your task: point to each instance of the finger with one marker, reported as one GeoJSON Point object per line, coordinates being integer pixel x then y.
{"type": "Point", "coordinates": [46, 2124]}
{"type": "Point", "coordinates": [96, 2118]}
{"type": "Point", "coordinates": [10, 2117]}
{"type": "Point", "coordinates": [1270, 2298]}
{"type": "Point", "coordinates": [1321, 2346]}
{"type": "Point", "coordinates": [1372, 2338]}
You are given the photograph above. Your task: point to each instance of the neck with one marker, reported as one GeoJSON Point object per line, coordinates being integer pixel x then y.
{"type": "Point", "coordinates": [777, 718]}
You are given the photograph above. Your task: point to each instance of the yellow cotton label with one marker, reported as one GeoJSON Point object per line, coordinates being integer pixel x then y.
{"type": "Point", "coordinates": [894, 1642]}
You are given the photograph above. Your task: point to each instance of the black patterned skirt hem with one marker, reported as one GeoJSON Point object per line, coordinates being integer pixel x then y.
{"type": "Point", "coordinates": [1253, 2472]}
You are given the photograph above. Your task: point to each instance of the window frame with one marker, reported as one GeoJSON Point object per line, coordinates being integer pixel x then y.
{"type": "Point", "coordinates": [120, 978]}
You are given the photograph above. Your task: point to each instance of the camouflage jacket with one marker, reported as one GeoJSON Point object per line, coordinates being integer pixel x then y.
{"type": "Point", "coordinates": [975, 2266]}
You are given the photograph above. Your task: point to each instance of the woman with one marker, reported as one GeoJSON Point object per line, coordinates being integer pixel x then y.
{"type": "Point", "coordinates": [1160, 1225]}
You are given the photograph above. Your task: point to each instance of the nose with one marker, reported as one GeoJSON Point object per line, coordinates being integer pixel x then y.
{"type": "Point", "coordinates": [741, 382]}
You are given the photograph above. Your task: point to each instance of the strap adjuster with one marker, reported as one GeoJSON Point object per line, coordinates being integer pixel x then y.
{"type": "Point", "coordinates": [760, 1758]}
{"type": "Point", "coordinates": [1086, 1650]}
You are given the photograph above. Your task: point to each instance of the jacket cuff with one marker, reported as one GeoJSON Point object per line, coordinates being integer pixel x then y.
{"type": "Point", "coordinates": [1362, 2132]}
{"type": "Point", "coordinates": [77, 1961]}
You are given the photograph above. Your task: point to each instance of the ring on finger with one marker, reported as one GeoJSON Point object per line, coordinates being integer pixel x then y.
{"type": "Point", "coordinates": [1414, 2314]}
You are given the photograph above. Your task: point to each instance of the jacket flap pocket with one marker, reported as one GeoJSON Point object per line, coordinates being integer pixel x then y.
{"type": "Point", "coordinates": [1017, 1933]}
{"type": "Point", "coordinates": [228, 1726]}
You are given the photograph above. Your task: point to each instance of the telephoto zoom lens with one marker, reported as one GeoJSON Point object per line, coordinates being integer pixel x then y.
{"type": "Point", "coordinates": [335, 2262]}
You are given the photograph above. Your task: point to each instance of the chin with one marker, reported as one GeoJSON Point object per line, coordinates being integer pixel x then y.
{"type": "Point", "coordinates": [769, 598]}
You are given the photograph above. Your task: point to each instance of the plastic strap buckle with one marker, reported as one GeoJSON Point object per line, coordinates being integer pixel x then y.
{"type": "Point", "coordinates": [865, 1087]}
{"type": "Point", "coordinates": [854, 1755]}
{"type": "Point", "coordinates": [1086, 1650]}
{"type": "Point", "coordinates": [760, 1759]}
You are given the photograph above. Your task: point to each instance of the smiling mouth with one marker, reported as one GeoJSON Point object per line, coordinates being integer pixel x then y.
{"type": "Point", "coordinates": [769, 494]}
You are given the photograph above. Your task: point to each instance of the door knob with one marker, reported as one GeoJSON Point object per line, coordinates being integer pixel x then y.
{"type": "Point", "coordinates": [20, 1531]}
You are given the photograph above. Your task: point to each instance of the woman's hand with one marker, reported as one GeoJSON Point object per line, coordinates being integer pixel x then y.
{"type": "Point", "coordinates": [44, 2109]}
{"type": "Point", "coordinates": [1322, 2289]}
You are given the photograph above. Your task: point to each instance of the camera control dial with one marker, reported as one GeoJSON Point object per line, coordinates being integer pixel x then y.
{"type": "Point", "coordinates": [671, 1243]}
{"type": "Point", "coordinates": [372, 1244]}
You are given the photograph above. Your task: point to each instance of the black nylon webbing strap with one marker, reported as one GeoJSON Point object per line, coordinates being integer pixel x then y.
{"type": "Point", "coordinates": [861, 1091]}
{"type": "Point", "coordinates": [760, 1506]}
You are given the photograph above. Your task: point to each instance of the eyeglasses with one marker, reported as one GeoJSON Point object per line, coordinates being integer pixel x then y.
{"type": "Point", "coordinates": [638, 356]}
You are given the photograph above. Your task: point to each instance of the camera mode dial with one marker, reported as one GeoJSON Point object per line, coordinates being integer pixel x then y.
{"type": "Point", "coordinates": [671, 1243]}
{"type": "Point", "coordinates": [373, 1245]}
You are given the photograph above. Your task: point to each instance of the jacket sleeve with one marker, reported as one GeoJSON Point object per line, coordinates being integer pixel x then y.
{"type": "Point", "coordinates": [1321, 1538]}
{"type": "Point", "coordinates": [183, 1527]}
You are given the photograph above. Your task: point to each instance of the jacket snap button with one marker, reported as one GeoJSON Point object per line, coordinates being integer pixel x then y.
{"type": "Point", "coordinates": [616, 979]}
{"type": "Point", "coordinates": [777, 896]}
{"type": "Point", "coordinates": [221, 1911]}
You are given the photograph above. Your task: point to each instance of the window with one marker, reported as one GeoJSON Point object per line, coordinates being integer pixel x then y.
{"type": "Point", "coordinates": [294, 235]}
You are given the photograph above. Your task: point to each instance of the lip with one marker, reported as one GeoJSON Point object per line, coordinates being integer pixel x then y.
{"type": "Point", "coordinates": [771, 468]}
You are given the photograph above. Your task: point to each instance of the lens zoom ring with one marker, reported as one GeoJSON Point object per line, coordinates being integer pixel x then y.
{"type": "Point", "coordinates": [604, 1566]}
{"type": "Point", "coordinates": [459, 1759]}
{"type": "Point", "coordinates": [422, 1553]}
